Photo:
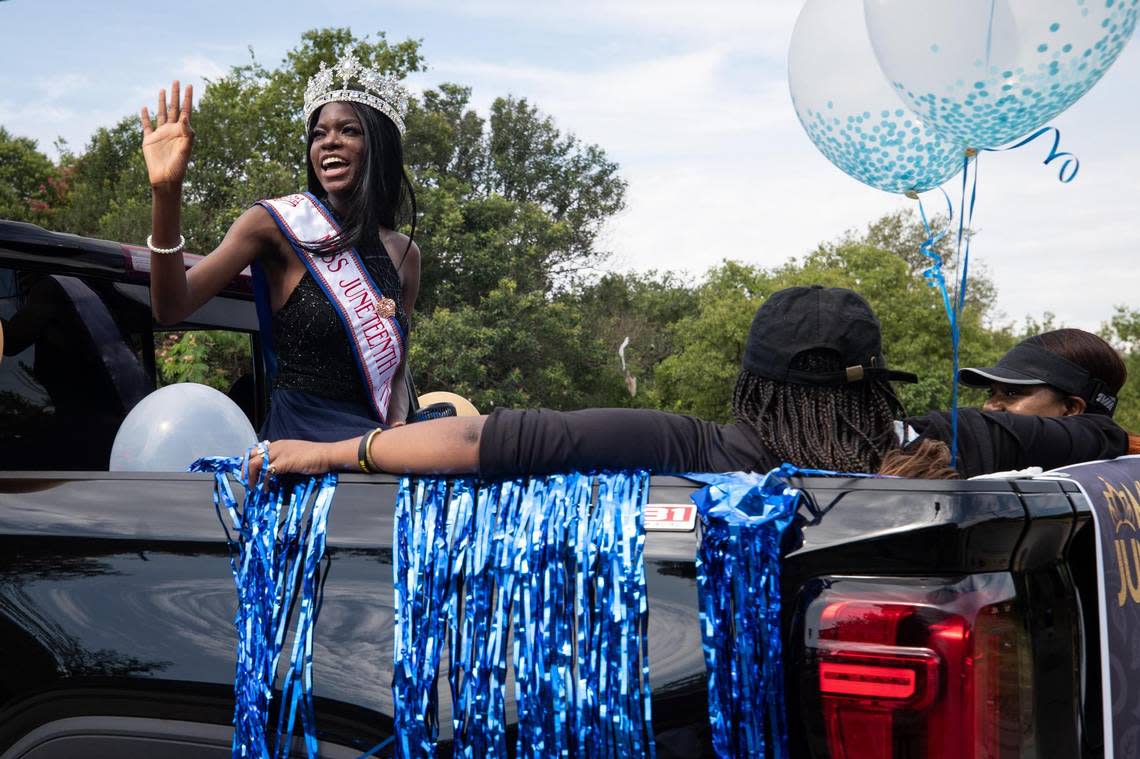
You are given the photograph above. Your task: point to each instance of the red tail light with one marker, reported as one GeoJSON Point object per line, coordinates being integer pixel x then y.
{"type": "Point", "coordinates": [916, 668]}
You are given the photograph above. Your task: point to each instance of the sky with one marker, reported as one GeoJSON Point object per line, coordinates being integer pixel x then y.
{"type": "Point", "coordinates": [690, 99]}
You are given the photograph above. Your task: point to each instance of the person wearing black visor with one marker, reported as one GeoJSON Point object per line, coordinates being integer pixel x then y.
{"type": "Point", "coordinates": [814, 390]}
{"type": "Point", "coordinates": [1058, 373]}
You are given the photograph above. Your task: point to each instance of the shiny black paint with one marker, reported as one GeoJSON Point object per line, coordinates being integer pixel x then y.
{"type": "Point", "coordinates": [116, 597]}
{"type": "Point", "coordinates": [119, 584]}
{"type": "Point", "coordinates": [31, 247]}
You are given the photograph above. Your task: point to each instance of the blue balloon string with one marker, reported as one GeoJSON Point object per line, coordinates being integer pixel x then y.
{"type": "Point", "coordinates": [990, 32]}
{"type": "Point", "coordinates": [1068, 171]}
{"type": "Point", "coordinates": [965, 220]}
{"type": "Point", "coordinates": [936, 278]}
{"type": "Point", "coordinates": [537, 570]}
{"type": "Point", "coordinates": [1069, 166]}
{"type": "Point", "coordinates": [279, 536]}
{"type": "Point", "coordinates": [933, 273]}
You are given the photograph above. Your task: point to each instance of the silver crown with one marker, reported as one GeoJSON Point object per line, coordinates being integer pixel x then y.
{"type": "Point", "coordinates": [357, 84]}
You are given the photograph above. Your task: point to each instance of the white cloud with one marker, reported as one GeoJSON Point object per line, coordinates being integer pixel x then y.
{"type": "Point", "coordinates": [653, 109]}
{"type": "Point", "coordinates": [45, 122]}
{"type": "Point", "coordinates": [755, 26]}
{"type": "Point", "coordinates": [200, 66]}
{"type": "Point", "coordinates": [60, 85]}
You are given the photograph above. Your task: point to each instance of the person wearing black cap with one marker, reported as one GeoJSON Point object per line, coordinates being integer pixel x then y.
{"type": "Point", "coordinates": [814, 390]}
{"type": "Point", "coordinates": [1056, 373]}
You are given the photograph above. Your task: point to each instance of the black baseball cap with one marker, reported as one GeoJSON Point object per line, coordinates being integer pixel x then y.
{"type": "Point", "coordinates": [1029, 364]}
{"type": "Point", "coordinates": [800, 319]}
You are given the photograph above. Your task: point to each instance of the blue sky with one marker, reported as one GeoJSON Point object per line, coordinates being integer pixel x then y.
{"type": "Point", "coordinates": [691, 99]}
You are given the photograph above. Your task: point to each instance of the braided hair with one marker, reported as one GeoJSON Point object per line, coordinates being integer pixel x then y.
{"type": "Point", "coordinates": [845, 428]}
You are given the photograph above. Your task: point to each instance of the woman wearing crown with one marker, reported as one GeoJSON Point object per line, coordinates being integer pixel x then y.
{"type": "Point", "coordinates": [335, 283]}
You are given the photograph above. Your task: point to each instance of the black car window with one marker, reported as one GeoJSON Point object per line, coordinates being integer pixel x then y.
{"type": "Point", "coordinates": [68, 375]}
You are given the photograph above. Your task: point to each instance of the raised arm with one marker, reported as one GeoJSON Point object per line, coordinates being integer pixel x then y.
{"type": "Point", "coordinates": [166, 148]}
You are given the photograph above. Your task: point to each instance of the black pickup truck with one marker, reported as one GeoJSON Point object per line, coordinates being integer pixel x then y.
{"type": "Point", "coordinates": [921, 619]}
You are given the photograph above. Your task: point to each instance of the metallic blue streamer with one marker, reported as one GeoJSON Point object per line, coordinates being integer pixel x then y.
{"type": "Point", "coordinates": [480, 627]}
{"type": "Point", "coordinates": [539, 565]}
{"type": "Point", "coordinates": [421, 573]}
{"type": "Point", "coordinates": [743, 518]}
{"type": "Point", "coordinates": [279, 535]}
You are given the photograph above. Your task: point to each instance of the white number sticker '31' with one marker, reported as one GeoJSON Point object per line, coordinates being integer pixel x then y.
{"type": "Point", "coordinates": [671, 517]}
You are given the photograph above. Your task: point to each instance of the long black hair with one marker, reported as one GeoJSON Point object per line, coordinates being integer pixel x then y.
{"type": "Point", "coordinates": [383, 196]}
{"type": "Point", "coordinates": [845, 428]}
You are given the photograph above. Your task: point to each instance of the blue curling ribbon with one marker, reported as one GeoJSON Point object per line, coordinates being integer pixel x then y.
{"type": "Point", "coordinates": [743, 519]}
{"type": "Point", "coordinates": [936, 278]}
{"type": "Point", "coordinates": [277, 545]}
{"type": "Point", "coordinates": [933, 274]}
{"type": "Point", "coordinates": [1069, 166]}
{"type": "Point", "coordinates": [540, 565]}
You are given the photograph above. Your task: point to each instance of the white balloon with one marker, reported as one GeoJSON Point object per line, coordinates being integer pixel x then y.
{"type": "Point", "coordinates": [170, 428]}
{"type": "Point", "coordinates": [985, 72]}
{"type": "Point", "coordinates": [851, 112]}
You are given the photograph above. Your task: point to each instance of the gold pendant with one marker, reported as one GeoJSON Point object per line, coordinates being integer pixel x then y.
{"type": "Point", "coordinates": [386, 307]}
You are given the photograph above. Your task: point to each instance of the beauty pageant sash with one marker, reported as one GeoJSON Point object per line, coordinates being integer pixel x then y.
{"type": "Point", "coordinates": [368, 316]}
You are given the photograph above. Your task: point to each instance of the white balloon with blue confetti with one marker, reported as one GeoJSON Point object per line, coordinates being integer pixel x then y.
{"type": "Point", "coordinates": [851, 112]}
{"type": "Point", "coordinates": [986, 72]}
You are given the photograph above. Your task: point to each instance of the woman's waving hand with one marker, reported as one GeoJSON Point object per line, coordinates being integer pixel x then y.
{"type": "Point", "coordinates": [166, 145]}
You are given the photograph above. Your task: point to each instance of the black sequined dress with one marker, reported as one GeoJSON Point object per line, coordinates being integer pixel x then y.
{"type": "Point", "coordinates": [318, 393]}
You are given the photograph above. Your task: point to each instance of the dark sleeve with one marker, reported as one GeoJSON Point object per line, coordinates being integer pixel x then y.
{"type": "Point", "coordinates": [542, 442]}
{"type": "Point", "coordinates": [990, 441]}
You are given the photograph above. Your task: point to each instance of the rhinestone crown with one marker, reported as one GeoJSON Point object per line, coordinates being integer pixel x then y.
{"type": "Point", "coordinates": [357, 84]}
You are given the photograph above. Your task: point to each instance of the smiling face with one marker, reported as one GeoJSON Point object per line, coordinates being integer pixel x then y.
{"type": "Point", "coordinates": [337, 149]}
{"type": "Point", "coordinates": [1041, 400]}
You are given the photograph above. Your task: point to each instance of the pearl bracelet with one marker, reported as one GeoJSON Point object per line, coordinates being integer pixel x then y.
{"type": "Point", "coordinates": [166, 251]}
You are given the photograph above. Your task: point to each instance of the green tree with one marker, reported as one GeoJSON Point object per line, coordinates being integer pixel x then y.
{"type": "Point", "coordinates": [902, 234]}
{"type": "Point", "coordinates": [516, 348]}
{"type": "Point", "coordinates": [208, 357]}
{"type": "Point", "coordinates": [506, 197]}
{"type": "Point", "coordinates": [109, 195]}
{"type": "Point", "coordinates": [698, 379]}
{"type": "Point", "coordinates": [1123, 331]}
{"type": "Point", "coordinates": [30, 185]}
{"type": "Point", "coordinates": [640, 308]}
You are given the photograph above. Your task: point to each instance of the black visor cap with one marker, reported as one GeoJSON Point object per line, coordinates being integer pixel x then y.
{"type": "Point", "coordinates": [1028, 364]}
